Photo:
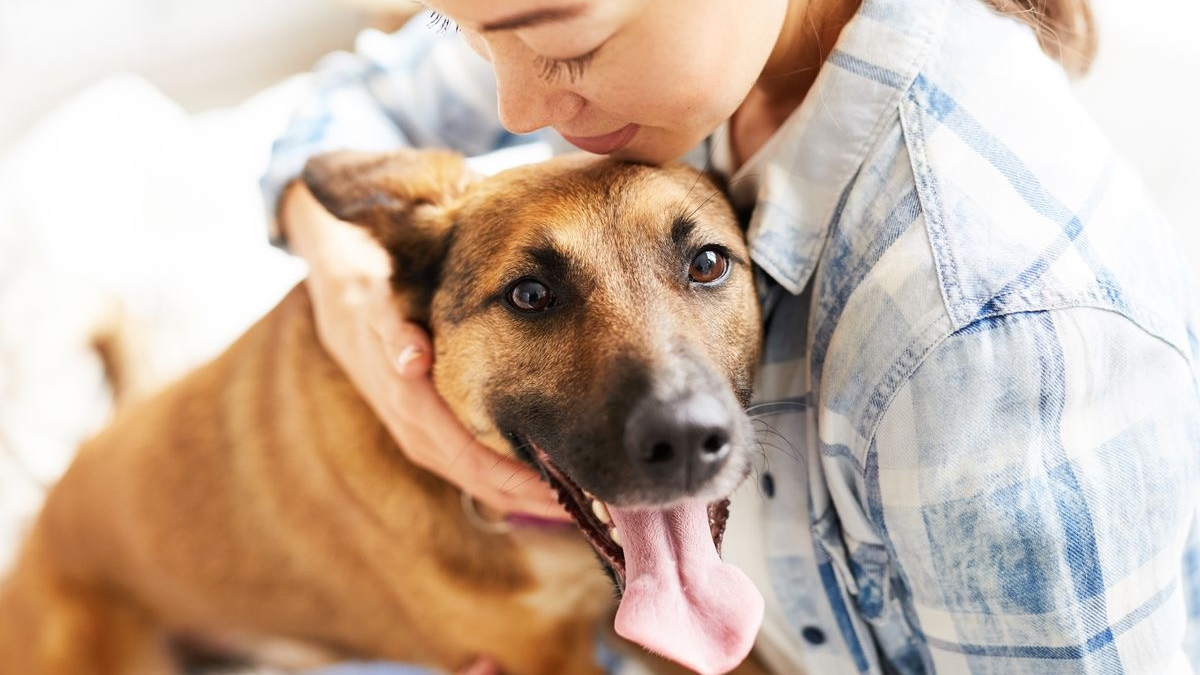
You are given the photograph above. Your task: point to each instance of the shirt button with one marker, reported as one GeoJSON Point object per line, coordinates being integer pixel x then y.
{"type": "Point", "coordinates": [768, 484]}
{"type": "Point", "coordinates": [813, 634]}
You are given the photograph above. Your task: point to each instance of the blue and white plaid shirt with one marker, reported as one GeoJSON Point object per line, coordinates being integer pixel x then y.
{"type": "Point", "coordinates": [978, 399]}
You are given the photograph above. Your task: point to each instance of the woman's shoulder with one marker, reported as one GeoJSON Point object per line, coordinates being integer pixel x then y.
{"type": "Point", "coordinates": [1027, 207]}
{"type": "Point", "coordinates": [988, 207]}
{"type": "Point", "coordinates": [1025, 204]}
{"type": "Point", "coordinates": [965, 219]}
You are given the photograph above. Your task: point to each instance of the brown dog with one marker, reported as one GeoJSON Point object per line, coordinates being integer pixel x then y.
{"type": "Point", "coordinates": [596, 318]}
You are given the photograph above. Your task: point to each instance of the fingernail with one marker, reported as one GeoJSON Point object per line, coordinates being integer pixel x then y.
{"type": "Point", "coordinates": [407, 355]}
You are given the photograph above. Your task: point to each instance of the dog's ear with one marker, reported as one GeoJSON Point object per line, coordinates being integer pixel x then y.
{"type": "Point", "coordinates": [402, 198]}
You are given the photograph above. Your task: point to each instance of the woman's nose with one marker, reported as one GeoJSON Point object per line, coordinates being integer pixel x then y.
{"type": "Point", "coordinates": [527, 104]}
{"type": "Point", "coordinates": [526, 100]}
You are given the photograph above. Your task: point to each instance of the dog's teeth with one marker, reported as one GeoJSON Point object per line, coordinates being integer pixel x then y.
{"type": "Point", "coordinates": [615, 535]}
{"type": "Point", "coordinates": [601, 511]}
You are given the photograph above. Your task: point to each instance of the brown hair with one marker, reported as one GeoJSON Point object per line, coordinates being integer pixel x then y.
{"type": "Point", "coordinates": [1064, 28]}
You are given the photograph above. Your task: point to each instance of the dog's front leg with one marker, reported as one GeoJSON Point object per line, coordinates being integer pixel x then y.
{"type": "Point", "coordinates": [51, 625]}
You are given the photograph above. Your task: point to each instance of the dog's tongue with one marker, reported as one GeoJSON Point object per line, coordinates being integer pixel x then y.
{"type": "Point", "coordinates": [680, 600]}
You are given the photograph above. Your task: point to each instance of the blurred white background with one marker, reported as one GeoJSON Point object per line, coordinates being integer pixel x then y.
{"type": "Point", "coordinates": [134, 200]}
{"type": "Point", "coordinates": [1145, 92]}
{"type": "Point", "coordinates": [202, 53]}
{"type": "Point", "coordinates": [132, 134]}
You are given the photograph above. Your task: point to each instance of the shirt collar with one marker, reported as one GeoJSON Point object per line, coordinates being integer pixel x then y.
{"type": "Point", "coordinates": [820, 148]}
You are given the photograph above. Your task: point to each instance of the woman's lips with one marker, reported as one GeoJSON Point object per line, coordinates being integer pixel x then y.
{"type": "Point", "coordinates": [606, 144]}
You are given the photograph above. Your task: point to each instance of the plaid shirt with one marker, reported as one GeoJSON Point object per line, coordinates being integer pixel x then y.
{"type": "Point", "coordinates": [978, 401]}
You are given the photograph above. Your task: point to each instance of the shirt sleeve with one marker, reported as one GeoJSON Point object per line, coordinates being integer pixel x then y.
{"type": "Point", "coordinates": [417, 87]}
{"type": "Point", "coordinates": [1036, 488]}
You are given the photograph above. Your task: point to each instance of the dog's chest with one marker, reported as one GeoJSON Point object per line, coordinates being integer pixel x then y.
{"type": "Point", "coordinates": [570, 582]}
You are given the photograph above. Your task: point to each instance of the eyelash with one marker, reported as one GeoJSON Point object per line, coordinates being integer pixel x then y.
{"type": "Point", "coordinates": [551, 69]}
{"type": "Point", "coordinates": [440, 22]}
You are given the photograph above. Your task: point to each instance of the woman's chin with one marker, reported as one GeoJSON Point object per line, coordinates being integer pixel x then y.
{"type": "Point", "coordinates": [649, 153]}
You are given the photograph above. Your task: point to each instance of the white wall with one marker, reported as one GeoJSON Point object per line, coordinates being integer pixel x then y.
{"type": "Point", "coordinates": [1145, 92]}
{"type": "Point", "coordinates": [202, 53]}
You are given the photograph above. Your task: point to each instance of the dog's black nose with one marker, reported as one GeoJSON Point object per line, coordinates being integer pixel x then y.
{"type": "Point", "coordinates": [679, 443]}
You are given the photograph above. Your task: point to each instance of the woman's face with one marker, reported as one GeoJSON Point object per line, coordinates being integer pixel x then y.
{"type": "Point", "coordinates": [644, 80]}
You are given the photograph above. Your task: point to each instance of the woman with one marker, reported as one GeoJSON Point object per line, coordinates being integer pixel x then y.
{"type": "Point", "coordinates": [978, 374]}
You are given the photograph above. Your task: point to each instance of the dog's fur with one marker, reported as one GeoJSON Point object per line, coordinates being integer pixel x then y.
{"type": "Point", "coordinates": [259, 497]}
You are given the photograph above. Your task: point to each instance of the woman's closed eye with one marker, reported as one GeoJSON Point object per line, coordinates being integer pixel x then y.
{"type": "Point", "coordinates": [551, 69]}
{"type": "Point", "coordinates": [573, 68]}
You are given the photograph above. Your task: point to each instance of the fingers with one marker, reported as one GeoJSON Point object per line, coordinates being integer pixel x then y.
{"type": "Point", "coordinates": [502, 483]}
{"type": "Point", "coordinates": [520, 490]}
{"type": "Point", "coordinates": [509, 486]}
{"type": "Point", "coordinates": [407, 346]}
{"type": "Point", "coordinates": [403, 344]}
{"type": "Point", "coordinates": [389, 359]}
{"type": "Point", "coordinates": [412, 360]}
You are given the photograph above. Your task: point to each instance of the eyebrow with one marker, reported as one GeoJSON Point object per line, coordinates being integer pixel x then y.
{"type": "Point", "coordinates": [681, 231]}
{"type": "Point", "coordinates": [552, 262]}
{"type": "Point", "coordinates": [535, 18]}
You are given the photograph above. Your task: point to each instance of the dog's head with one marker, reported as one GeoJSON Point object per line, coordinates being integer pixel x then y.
{"type": "Point", "coordinates": [596, 318]}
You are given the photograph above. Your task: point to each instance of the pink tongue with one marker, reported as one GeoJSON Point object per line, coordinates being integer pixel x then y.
{"type": "Point", "coordinates": [680, 600]}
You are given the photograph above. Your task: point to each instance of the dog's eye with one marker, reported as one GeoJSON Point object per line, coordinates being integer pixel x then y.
{"type": "Point", "coordinates": [530, 295]}
{"type": "Point", "coordinates": [709, 265]}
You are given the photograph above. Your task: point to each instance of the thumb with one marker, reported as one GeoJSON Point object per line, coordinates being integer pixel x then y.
{"type": "Point", "coordinates": [407, 346]}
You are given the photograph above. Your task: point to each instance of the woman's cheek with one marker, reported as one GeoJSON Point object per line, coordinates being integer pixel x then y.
{"type": "Point", "coordinates": [661, 90]}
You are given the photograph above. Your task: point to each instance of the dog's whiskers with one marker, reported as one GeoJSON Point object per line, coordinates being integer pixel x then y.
{"type": "Point", "coordinates": [715, 193]}
{"type": "Point", "coordinates": [775, 406]}
{"type": "Point", "coordinates": [504, 486]}
{"type": "Point", "coordinates": [511, 454]}
{"type": "Point", "coordinates": [765, 444]}
{"type": "Point", "coordinates": [791, 450]}
{"type": "Point", "coordinates": [712, 148]}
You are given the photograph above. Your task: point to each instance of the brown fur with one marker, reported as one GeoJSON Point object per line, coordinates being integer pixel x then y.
{"type": "Point", "coordinates": [259, 498]}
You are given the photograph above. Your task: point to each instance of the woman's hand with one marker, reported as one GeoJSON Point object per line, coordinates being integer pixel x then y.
{"type": "Point", "coordinates": [388, 359]}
